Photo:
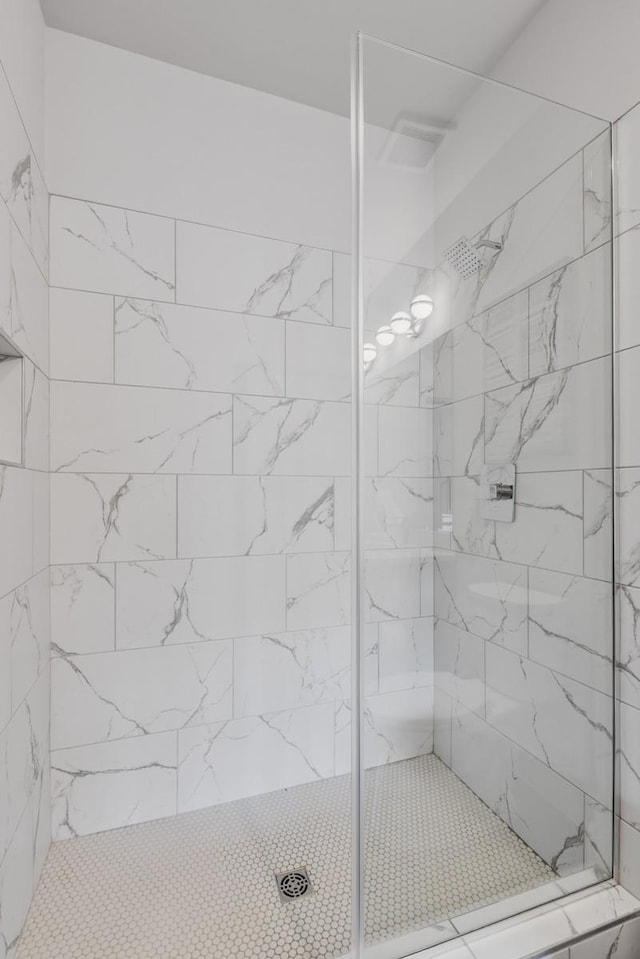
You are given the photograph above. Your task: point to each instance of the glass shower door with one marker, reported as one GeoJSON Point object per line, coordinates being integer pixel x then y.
{"type": "Point", "coordinates": [482, 269]}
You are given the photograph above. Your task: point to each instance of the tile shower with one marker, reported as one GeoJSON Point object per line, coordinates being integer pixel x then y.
{"type": "Point", "coordinates": [200, 530]}
{"type": "Point", "coordinates": [526, 382]}
{"type": "Point", "coordinates": [187, 450]}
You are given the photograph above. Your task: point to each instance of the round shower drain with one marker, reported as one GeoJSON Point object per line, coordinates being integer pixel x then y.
{"type": "Point", "coordinates": [293, 885]}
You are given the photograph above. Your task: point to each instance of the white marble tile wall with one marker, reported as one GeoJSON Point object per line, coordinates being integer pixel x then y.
{"type": "Point", "coordinates": [523, 611]}
{"type": "Point", "coordinates": [24, 493]}
{"type": "Point", "coordinates": [627, 221]}
{"type": "Point", "coordinates": [200, 531]}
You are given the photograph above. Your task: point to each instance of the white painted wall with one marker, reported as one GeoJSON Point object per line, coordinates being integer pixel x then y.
{"type": "Point", "coordinates": [583, 53]}
{"type": "Point", "coordinates": [134, 132]}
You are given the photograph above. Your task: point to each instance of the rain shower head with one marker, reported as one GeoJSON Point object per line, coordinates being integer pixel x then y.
{"type": "Point", "coordinates": [465, 258]}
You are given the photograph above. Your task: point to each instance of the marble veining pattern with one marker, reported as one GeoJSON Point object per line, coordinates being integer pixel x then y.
{"type": "Point", "coordinates": [253, 274]}
{"type": "Point", "coordinates": [137, 692]}
{"type": "Point", "coordinates": [25, 826]}
{"type": "Point", "coordinates": [522, 611]}
{"type": "Point", "coordinates": [22, 186]}
{"type": "Point", "coordinates": [115, 429]}
{"type": "Point", "coordinates": [108, 516]}
{"type": "Point", "coordinates": [106, 249]}
{"type": "Point", "coordinates": [180, 347]}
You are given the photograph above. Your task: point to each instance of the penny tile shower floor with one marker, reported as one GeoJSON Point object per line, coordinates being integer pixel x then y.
{"type": "Point", "coordinates": [202, 885]}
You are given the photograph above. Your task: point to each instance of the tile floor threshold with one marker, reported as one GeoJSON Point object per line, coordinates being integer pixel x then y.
{"type": "Point", "coordinates": [202, 885]}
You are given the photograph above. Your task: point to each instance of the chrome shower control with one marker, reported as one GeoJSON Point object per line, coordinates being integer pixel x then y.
{"type": "Point", "coordinates": [500, 491]}
{"type": "Point", "coordinates": [497, 493]}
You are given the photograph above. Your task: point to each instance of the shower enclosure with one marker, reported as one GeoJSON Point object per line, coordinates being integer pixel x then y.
{"type": "Point", "coordinates": [331, 533]}
{"type": "Point", "coordinates": [482, 347]}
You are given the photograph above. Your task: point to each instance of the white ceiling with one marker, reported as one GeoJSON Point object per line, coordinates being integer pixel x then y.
{"type": "Point", "coordinates": [299, 49]}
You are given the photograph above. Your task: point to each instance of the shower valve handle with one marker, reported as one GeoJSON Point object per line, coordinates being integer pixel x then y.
{"type": "Point", "coordinates": [500, 491]}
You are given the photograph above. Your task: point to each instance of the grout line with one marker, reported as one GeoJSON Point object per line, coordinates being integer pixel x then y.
{"type": "Point", "coordinates": [175, 261]}
{"type": "Point", "coordinates": [113, 343]}
{"type": "Point", "coordinates": [226, 229]}
{"type": "Point", "coordinates": [341, 404]}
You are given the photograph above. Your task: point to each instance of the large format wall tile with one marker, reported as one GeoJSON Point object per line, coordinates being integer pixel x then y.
{"type": "Point", "coordinates": [392, 584]}
{"type": "Point", "coordinates": [105, 249]}
{"type": "Point", "coordinates": [570, 314]}
{"type": "Point", "coordinates": [570, 627]}
{"type": "Point", "coordinates": [318, 362]}
{"type": "Point", "coordinates": [538, 233]}
{"type": "Point", "coordinates": [542, 807]}
{"type": "Point", "coordinates": [115, 429]}
{"type": "Point", "coordinates": [139, 691]}
{"type": "Point", "coordinates": [128, 614]}
{"type": "Point", "coordinates": [5, 268]}
{"type": "Point", "coordinates": [406, 654]}
{"type": "Point", "coordinates": [620, 941]}
{"type": "Point", "coordinates": [41, 520]}
{"type": "Point", "coordinates": [318, 590]}
{"type": "Point", "coordinates": [25, 832]}
{"type": "Point", "coordinates": [547, 532]}
{"type": "Point", "coordinates": [291, 437]}
{"type": "Point", "coordinates": [24, 626]}
{"type": "Point", "coordinates": [628, 443]}
{"type": "Point", "coordinates": [189, 601]}
{"type": "Point", "coordinates": [628, 504]}
{"type": "Point", "coordinates": [405, 441]}
{"type": "Point", "coordinates": [598, 220]}
{"type": "Point", "coordinates": [628, 253]}
{"type": "Point", "coordinates": [16, 527]}
{"type": "Point", "coordinates": [459, 665]}
{"type": "Point", "coordinates": [629, 765]}
{"type": "Point", "coordinates": [21, 183]}
{"type": "Point", "coordinates": [398, 512]}
{"type": "Point", "coordinates": [245, 757]}
{"type": "Point", "coordinates": [291, 670]}
{"type": "Point", "coordinates": [83, 608]}
{"type": "Point", "coordinates": [598, 526]}
{"type": "Point", "coordinates": [183, 347]}
{"type": "Point", "coordinates": [28, 325]}
{"type": "Point", "coordinates": [598, 837]}
{"type": "Point", "coordinates": [627, 135]}
{"type": "Point", "coordinates": [242, 515]}
{"type": "Point", "coordinates": [394, 378]}
{"type": "Point", "coordinates": [523, 376]}
{"type": "Point", "coordinates": [35, 418]}
{"type": "Point", "coordinates": [253, 274]}
{"type": "Point", "coordinates": [529, 703]}
{"type": "Point", "coordinates": [397, 725]}
{"type": "Point", "coordinates": [17, 883]}
{"type": "Point", "coordinates": [488, 351]}
{"type": "Point", "coordinates": [110, 785]}
{"type": "Point", "coordinates": [81, 336]}
{"type": "Point", "coordinates": [561, 421]}
{"type": "Point", "coordinates": [388, 287]}
{"type": "Point", "coordinates": [458, 437]}
{"type": "Point", "coordinates": [628, 663]}
{"type": "Point", "coordinates": [102, 517]}
{"type": "Point", "coordinates": [24, 752]}
{"type": "Point", "coordinates": [484, 597]}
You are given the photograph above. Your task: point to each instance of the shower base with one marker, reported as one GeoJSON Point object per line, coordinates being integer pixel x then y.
{"type": "Point", "coordinates": [203, 885]}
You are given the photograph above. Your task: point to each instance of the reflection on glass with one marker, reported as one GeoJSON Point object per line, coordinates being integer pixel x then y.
{"type": "Point", "coordinates": [488, 736]}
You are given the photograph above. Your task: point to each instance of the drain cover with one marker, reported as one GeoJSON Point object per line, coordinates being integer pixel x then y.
{"type": "Point", "coordinates": [294, 884]}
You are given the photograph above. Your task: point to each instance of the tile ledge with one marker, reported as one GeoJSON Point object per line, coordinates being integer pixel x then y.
{"type": "Point", "coordinates": [547, 929]}
{"type": "Point", "coordinates": [543, 931]}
